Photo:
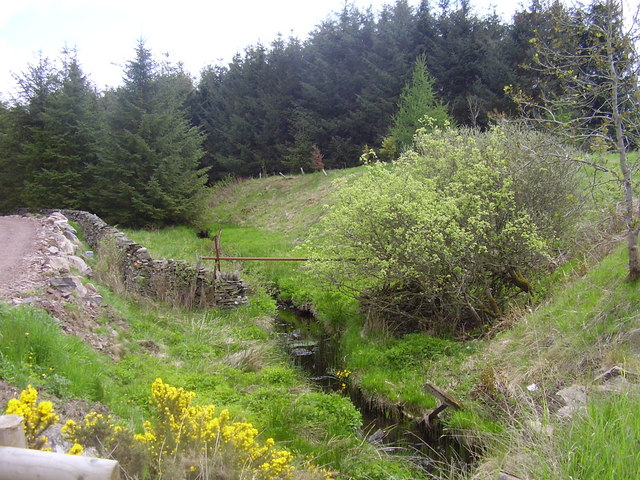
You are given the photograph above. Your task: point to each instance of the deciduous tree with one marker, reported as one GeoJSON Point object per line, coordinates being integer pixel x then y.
{"type": "Point", "coordinates": [593, 60]}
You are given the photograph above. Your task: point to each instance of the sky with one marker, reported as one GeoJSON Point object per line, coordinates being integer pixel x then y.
{"type": "Point", "coordinates": [195, 32]}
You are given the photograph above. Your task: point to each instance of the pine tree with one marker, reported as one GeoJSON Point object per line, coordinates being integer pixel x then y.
{"type": "Point", "coordinates": [28, 136]}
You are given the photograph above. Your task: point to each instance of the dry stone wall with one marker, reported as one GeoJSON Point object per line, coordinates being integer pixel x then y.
{"type": "Point", "coordinates": [174, 281]}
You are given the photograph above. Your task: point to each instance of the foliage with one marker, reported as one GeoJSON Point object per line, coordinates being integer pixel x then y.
{"type": "Point", "coordinates": [417, 103]}
{"type": "Point", "coordinates": [33, 350]}
{"type": "Point", "coordinates": [340, 88]}
{"type": "Point", "coordinates": [54, 132]}
{"type": "Point", "coordinates": [149, 174]}
{"type": "Point", "coordinates": [600, 443]}
{"type": "Point", "coordinates": [188, 435]}
{"type": "Point", "coordinates": [37, 417]}
{"type": "Point", "coordinates": [589, 65]}
{"type": "Point", "coordinates": [316, 159]}
{"type": "Point", "coordinates": [437, 238]}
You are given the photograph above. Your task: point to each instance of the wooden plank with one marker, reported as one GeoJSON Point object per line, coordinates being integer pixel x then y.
{"type": "Point", "coordinates": [12, 432]}
{"type": "Point", "coordinates": [446, 398]}
{"type": "Point", "coordinates": [25, 464]}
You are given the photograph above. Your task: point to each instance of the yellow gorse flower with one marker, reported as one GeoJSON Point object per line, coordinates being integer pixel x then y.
{"type": "Point", "coordinates": [184, 427]}
{"type": "Point", "coordinates": [37, 417]}
{"type": "Point", "coordinates": [181, 430]}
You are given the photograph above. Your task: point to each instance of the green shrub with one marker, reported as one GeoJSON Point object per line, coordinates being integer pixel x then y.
{"type": "Point", "coordinates": [415, 348]}
{"type": "Point", "coordinates": [441, 236]}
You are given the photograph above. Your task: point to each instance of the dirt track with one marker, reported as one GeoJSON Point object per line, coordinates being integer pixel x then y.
{"type": "Point", "coordinates": [18, 246]}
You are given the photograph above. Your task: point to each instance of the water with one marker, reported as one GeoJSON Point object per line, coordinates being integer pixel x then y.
{"type": "Point", "coordinates": [388, 426]}
{"type": "Point", "coordinates": [310, 347]}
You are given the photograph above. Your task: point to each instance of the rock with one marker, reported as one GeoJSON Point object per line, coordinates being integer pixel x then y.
{"type": "Point", "coordinates": [575, 399]}
{"type": "Point", "coordinates": [59, 264]}
{"type": "Point", "coordinates": [68, 285]}
{"type": "Point", "coordinates": [53, 250]}
{"type": "Point", "coordinates": [143, 253]}
{"type": "Point", "coordinates": [70, 236]}
{"type": "Point", "coordinates": [56, 217]}
{"type": "Point", "coordinates": [616, 385]}
{"type": "Point", "coordinates": [632, 339]}
{"type": "Point", "coordinates": [61, 224]}
{"type": "Point", "coordinates": [507, 476]}
{"type": "Point", "coordinates": [79, 264]}
{"type": "Point", "coordinates": [64, 244]}
{"type": "Point", "coordinates": [614, 372]}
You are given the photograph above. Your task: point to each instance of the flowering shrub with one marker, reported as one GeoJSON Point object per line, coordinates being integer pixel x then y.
{"type": "Point", "coordinates": [343, 377]}
{"type": "Point", "coordinates": [442, 238]}
{"type": "Point", "coordinates": [37, 417]}
{"type": "Point", "coordinates": [188, 432]}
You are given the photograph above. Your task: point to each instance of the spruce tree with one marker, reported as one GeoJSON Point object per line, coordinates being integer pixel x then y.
{"type": "Point", "coordinates": [70, 140]}
{"type": "Point", "coordinates": [418, 107]}
{"type": "Point", "coordinates": [150, 173]}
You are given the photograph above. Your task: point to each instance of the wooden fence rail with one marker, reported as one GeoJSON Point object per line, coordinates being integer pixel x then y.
{"type": "Point", "coordinates": [20, 463]}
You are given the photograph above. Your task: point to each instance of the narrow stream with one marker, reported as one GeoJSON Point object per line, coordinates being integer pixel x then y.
{"type": "Point", "coordinates": [316, 352]}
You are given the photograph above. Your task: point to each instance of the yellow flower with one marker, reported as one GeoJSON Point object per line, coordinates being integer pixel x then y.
{"type": "Point", "coordinates": [76, 449]}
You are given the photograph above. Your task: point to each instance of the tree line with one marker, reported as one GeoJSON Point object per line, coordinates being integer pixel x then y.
{"type": "Point", "coordinates": [142, 153]}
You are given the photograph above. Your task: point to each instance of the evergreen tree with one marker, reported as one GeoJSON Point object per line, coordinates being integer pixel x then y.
{"type": "Point", "coordinates": [72, 137]}
{"type": "Point", "coordinates": [27, 135]}
{"type": "Point", "coordinates": [418, 107]}
{"type": "Point", "coordinates": [149, 173]}
{"type": "Point", "coordinates": [11, 176]}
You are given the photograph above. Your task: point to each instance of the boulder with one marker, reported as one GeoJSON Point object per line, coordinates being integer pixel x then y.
{"type": "Point", "coordinates": [64, 244]}
{"type": "Point", "coordinates": [70, 236]}
{"type": "Point", "coordinates": [59, 264]}
{"type": "Point", "coordinates": [575, 399]}
{"type": "Point", "coordinates": [79, 264]}
{"type": "Point", "coordinates": [69, 285]}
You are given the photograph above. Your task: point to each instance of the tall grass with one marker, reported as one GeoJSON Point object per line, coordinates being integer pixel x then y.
{"type": "Point", "coordinates": [34, 351]}
{"type": "Point", "coordinates": [603, 442]}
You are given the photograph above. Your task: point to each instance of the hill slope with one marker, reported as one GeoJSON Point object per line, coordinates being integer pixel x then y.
{"type": "Point", "coordinates": [513, 382]}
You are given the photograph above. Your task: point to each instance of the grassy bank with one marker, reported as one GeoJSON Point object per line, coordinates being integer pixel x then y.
{"type": "Point", "coordinates": [579, 328]}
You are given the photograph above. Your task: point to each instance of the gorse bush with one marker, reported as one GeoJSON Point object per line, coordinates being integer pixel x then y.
{"type": "Point", "coordinates": [37, 416]}
{"type": "Point", "coordinates": [441, 237]}
{"type": "Point", "coordinates": [187, 441]}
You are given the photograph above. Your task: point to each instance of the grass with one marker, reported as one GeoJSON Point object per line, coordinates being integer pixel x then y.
{"type": "Point", "coordinates": [603, 442]}
{"type": "Point", "coordinates": [579, 327]}
{"type": "Point", "coordinates": [229, 358]}
{"type": "Point", "coordinates": [34, 351]}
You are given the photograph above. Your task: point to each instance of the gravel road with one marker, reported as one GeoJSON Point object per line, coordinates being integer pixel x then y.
{"type": "Point", "coordinates": [18, 246]}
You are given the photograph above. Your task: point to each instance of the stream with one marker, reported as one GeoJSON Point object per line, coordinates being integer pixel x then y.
{"type": "Point", "coordinates": [317, 353]}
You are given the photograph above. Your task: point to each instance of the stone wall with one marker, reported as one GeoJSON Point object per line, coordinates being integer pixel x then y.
{"type": "Point", "coordinates": [173, 281]}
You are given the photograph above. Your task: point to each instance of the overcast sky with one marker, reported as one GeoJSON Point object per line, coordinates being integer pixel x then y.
{"type": "Point", "coordinates": [197, 33]}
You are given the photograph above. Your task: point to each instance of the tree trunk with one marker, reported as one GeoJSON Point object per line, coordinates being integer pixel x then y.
{"type": "Point", "coordinates": [634, 257]}
{"type": "Point", "coordinates": [631, 217]}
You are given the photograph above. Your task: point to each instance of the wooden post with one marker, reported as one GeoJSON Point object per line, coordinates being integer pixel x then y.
{"type": "Point", "coordinates": [218, 248]}
{"type": "Point", "coordinates": [25, 464]}
{"type": "Point", "coordinates": [12, 432]}
{"type": "Point", "coordinates": [446, 399]}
